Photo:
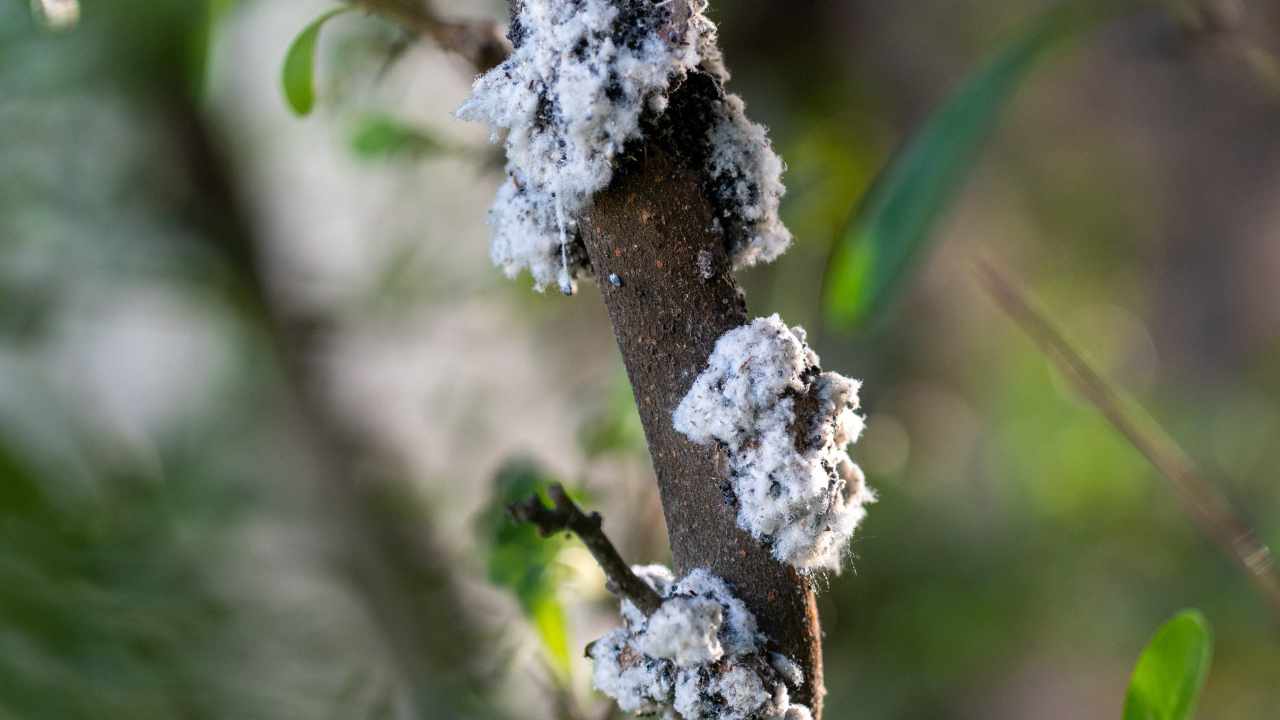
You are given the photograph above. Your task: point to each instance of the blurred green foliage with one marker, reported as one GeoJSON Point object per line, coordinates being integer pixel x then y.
{"type": "Point", "coordinates": [203, 36]}
{"type": "Point", "coordinates": [893, 224]}
{"type": "Point", "coordinates": [380, 136]}
{"type": "Point", "coordinates": [1167, 681]}
{"type": "Point", "coordinates": [151, 567]}
{"type": "Point", "coordinates": [523, 562]}
{"type": "Point", "coordinates": [615, 427]}
{"type": "Point", "coordinates": [106, 597]}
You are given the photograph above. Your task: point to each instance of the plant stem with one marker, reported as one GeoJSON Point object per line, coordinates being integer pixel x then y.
{"type": "Point", "coordinates": [1208, 508]}
{"type": "Point", "coordinates": [565, 515]}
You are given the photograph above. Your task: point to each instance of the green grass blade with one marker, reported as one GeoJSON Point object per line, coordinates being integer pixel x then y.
{"type": "Point", "coordinates": [298, 73]}
{"type": "Point", "coordinates": [1167, 681]}
{"type": "Point", "coordinates": [892, 225]}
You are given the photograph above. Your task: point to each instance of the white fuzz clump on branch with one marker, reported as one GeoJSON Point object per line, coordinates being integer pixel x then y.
{"type": "Point", "coordinates": [582, 81]}
{"type": "Point", "coordinates": [786, 427]}
{"type": "Point", "coordinates": [699, 656]}
{"type": "Point", "coordinates": [746, 176]}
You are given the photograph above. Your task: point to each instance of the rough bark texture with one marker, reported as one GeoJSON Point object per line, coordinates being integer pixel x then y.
{"type": "Point", "coordinates": [666, 280]}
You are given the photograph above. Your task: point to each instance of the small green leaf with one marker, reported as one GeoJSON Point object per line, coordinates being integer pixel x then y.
{"type": "Point", "coordinates": [1167, 681]}
{"type": "Point", "coordinates": [549, 621]}
{"type": "Point", "coordinates": [893, 222]}
{"type": "Point", "coordinates": [382, 136]}
{"type": "Point", "coordinates": [298, 73]}
{"type": "Point", "coordinates": [523, 562]}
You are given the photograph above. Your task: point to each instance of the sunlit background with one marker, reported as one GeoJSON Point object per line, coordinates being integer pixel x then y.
{"type": "Point", "coordinates": [262, 394]}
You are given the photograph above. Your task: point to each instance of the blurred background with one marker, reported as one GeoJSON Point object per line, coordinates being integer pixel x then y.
{"type": "Point", "coordinates": [262, 394]}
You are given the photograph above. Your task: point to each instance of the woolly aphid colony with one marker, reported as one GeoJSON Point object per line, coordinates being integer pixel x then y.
{"type": "Point", "coordinates": [583, 79]}
{"type": "Point", "coordinates": [586, 79]}
{"type": "Point", "coordinates": [698, 657]}
{"type": "Point", "coordinates": [795, 485]}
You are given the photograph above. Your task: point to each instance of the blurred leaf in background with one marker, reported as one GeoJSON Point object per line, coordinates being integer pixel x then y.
{"type": "Point", "coordinates": [383, 137]}
{"type": "Point", "coordinates": [297, 76]}
{"type": "Point", "coordinates": [523, 562]}
{"type": "Point", "coordinates": [202, 39]}
{"type": "Point", "coordinates": [889, 232]}
{"type": "Point", "coordinates": [1166, 683]}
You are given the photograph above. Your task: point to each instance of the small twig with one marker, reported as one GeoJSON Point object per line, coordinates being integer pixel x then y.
{"type": "Point", "coordinates": [479, 42]}
{"type": "Point", "coordinates": [565, 516]}
{"type": "Point", "coordinates": [1206, 505]}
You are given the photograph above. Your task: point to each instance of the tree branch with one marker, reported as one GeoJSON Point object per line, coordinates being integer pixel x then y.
{"type": "Point", "coordinates": [653, 228]}
{"type": "Point", "coordinates": [670, 296]}
{"type": "Point", "coordinates": [564, 515]}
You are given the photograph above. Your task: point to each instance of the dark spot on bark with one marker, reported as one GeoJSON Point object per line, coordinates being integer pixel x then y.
{"type": "Point", "coordinates": [636, 22]}
{"type": "Point", "coordinates": [517, 33]}
{"type": "Point", "coordinates": [806, 408]}
{"type": "Point", "coordinates": [730, 498]}
{"type": "Point", "coordinates": [545, 112]}
{"type": "Point", "coordinates": [613, 91]}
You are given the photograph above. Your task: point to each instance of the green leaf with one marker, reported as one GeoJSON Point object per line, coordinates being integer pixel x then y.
{"type": "Point", "coordinates": [523, 562]}
{"type": "Point", "coordinates": [298, 73]}
{"type": "Point", "coordinates": [382, 136]}
{"type": "Point", "coordinates": [892, 225]}
{"type": "Point", "coordinates": [548, 618]}
{"type": "Point", "coordinates": [1167, 681]}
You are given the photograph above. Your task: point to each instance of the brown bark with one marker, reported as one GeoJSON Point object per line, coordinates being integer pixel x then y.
{"type": "Point", "coordinates": [650, 240]}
